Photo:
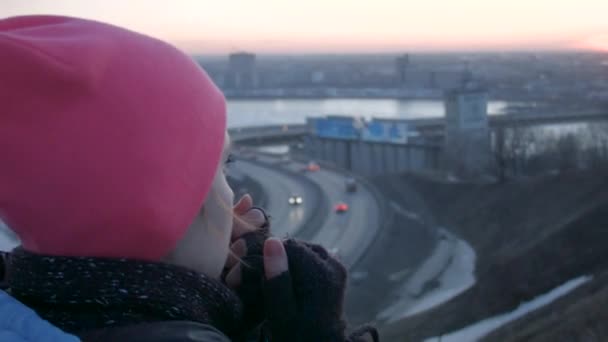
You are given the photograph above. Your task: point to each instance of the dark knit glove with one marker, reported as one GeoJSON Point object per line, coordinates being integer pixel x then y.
{"type": "Point", "coordinates": [252, 273]}
{"type": "Point", "coordinates": [305, 303]}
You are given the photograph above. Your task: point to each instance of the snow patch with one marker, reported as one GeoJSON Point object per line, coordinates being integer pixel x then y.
{"type": "Point", "coordinates": [431, 268]}
{"type": "Point", "coordinates": [451, 178]}
{"type": "Point", "coordinates": [451, 265]}
{"type": "Point", "coordinates": [409, 214]}
{"type": "Point", "coordinates": [480, 329]}
{"type": "Point", "coordinates": [458, 277]}
{"type": "Point", "coordinates": [399, 275]}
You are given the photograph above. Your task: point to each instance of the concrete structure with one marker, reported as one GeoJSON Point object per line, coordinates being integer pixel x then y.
{"type": "Point", "coordinates": [265, 135]}
{"type": "Point", "coordinates": [467, 149]}
{"type": "Point", "coordinates": [374, 158]}
{"type": "Point", "coordinates": [370, 148]}
{"type": "Point", "coordinates": [242, 73]}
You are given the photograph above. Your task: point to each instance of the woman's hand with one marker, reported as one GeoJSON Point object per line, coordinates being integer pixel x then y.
{"type": "Point", "coordinates": [244, 267]}
{"type": "Point", "coordinates": [295, 286]}
{"type": "Point", "coordinates": [303, 292]}
{"type": "Point", "coordinates": [250, 229]}
{"type": "Point", "coordinates": [247, 217]}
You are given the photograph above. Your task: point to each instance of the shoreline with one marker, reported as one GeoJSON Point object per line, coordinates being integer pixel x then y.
{"type": "Point", "coordinates": [362, 97]}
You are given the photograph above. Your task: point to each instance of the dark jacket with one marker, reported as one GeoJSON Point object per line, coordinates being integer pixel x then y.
{"type": "Point", "coordinates": [18, 323]}
{"type": "Point", "coordinates": [100, 299]}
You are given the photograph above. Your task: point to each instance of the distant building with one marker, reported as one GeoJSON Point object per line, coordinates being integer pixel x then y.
{"type": "Point", "coordinates": [317, 77]}
{"type": "Point", "coordinates": [445, 80]}
{"type": "Point", "coordinates": [411, 76]}
{"type": "Point", "coordinates": [401, 68]}
{"type": "Point", "coordinates": [467, 136]}
{"type": "Point", "coordinates": [242, 73]}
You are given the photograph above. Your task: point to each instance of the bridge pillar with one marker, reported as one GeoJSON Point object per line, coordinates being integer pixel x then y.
{"type": "Point", "coordinates": [341, 153]}
{"type": "Point", "coordinates": [467, 144]}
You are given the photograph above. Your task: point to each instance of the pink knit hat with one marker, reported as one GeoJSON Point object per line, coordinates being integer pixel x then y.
{"type": "Point", "coordinates": [109, 139]}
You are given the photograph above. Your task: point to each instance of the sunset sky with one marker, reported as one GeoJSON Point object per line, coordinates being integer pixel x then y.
{"type": "Point", "coordinates": [358, 26]}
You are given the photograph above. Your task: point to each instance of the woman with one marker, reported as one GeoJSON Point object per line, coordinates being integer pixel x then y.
{"type": "Point", "coordinates": [114, 146]}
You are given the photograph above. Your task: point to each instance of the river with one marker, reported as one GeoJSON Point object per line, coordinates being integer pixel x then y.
{"type": "Point", "coordinates": [289, 111]}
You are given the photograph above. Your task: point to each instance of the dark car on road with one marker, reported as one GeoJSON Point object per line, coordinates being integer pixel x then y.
{"type": "Point", "coordinates": [350, 184]}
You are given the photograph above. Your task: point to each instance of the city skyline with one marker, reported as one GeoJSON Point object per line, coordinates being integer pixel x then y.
{"type": "Point", "coordinates": [340, 26]}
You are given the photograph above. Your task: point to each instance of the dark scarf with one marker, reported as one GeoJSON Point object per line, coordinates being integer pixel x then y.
{"type": "Point", "coordinates": [79, 294]}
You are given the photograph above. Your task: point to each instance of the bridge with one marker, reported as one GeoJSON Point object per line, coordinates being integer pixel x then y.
{"type": "Point", "coordinates": [424, 152]}
{"type": "Point", "coordinates": [432, 129]}
{"type": "Point", "coordinates": [538, 119]}
{"type": "Point", "coordinates": [512, 120]}
{"type": "Point", "coordinates": [273, 134]}
{"type": "Point", "coordinates": [270, 134]}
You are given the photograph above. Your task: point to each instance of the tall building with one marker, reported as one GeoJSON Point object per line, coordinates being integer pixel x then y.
{"type": "Point", "coordinates": [467, 144]}
{"type": "Point", "coordinates": [401, 68]}
{"type": "Point", "coordinates": [242, 72]}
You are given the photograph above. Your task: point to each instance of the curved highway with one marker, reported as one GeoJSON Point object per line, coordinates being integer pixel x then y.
{"type": "Point", "coordinates": [279, 186]}
{"type": "Point", "coordinates": [346, 234]}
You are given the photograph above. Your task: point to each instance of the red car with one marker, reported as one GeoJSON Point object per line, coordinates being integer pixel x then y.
{"type": "Point", "coordinates": [341, 207]}
{"type": "Point", "coordinates": [313, 167]}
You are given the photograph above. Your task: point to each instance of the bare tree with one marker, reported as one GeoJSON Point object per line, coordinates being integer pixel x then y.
{"type": "Point", "coordinates": [500, 155]}
{"type": "Point", "coordinates": [568, 149]}
{"type": "Point", "coordinates": [597, 152]}
{"type": "Point", "coordinates": [468, 155]}
{"type": "Point", "coordinates": [512, 148]}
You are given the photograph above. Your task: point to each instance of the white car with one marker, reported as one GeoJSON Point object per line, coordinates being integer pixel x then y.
{"type": "Point", "coordinates": [295, 200]}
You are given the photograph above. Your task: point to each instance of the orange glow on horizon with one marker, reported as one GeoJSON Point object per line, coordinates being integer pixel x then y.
{"type": "Point", "coordinates": [355, 44]}
{"type": "Point", "coordinates": [334, 26]}
{"type": "Point", "coordinates": [597, 42]}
